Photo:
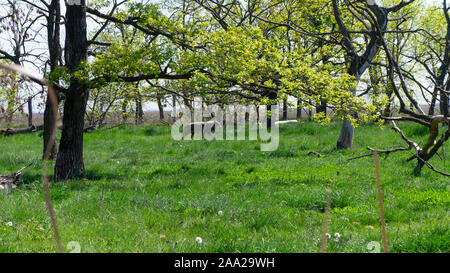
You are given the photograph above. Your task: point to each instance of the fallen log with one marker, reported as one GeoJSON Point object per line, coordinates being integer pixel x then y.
{"type": "Point", "coordinates": [11, 181]}
{"type": "Point", "coordinates": [10, 131]}
{"type": "Point", "coordinates": [286, 122]}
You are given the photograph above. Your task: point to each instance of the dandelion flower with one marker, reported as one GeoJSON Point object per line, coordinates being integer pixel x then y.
{"type": "Point", "coordinates": [328, 235]}
{"type": "Point", "coordinates": [220, 212]}
{"type": "Point", "coordinates": [9, 224]}
{"type": "Point", "coordinates": [198, 240]}
{"type": "Point", "coordinates": [337, 236]}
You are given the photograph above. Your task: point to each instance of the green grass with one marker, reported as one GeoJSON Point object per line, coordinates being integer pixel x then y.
{"type": "Point", "coordinates": [144, 192]}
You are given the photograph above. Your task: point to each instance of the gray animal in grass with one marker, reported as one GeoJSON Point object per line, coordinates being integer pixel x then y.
{"type": "Point", "coordinates": [11, 181]}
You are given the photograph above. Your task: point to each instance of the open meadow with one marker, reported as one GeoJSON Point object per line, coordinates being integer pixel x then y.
{"type": "Point", "coordinates": [144, 192]}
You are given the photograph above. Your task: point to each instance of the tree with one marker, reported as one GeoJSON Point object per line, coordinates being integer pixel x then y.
{"type": "Point", "coordinates": [19, 24]}
{"type": "Point", "coordinates": [69, 162]}
{"type": "Point", "coordinates": [358, 63]}
{"type": "Point", "coordinates": [402, 90]}
{"type": "Point", "coordinates": [224, 62]}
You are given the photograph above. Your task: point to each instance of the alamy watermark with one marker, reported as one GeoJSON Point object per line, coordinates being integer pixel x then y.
{"type": "Point", "coordinates": [228, 123]}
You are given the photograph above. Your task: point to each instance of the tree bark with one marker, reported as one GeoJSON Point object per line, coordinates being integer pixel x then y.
{"type": "Point", "coordinates": [299, 109]}
{"type": "Point", "coordinates": [53, 34]}
{"type": "Point", "coordinates": [272, 96]}
{"type": "Point", "coordinates": [160, 108]}
{"type": "Point", "coordinates": [69, 162]}
{"type": "Point", "coordinates": [139, 115]}
{"type": "Point", "coordinates": [285, 110]}
{"type": "Point", "coordinates": [30, 112]}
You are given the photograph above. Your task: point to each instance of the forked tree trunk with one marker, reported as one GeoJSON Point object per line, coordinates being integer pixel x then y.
{"type": "Point", "coordinates": [359, 63]}
{"type": "Point", "coordinates": [69, 162]}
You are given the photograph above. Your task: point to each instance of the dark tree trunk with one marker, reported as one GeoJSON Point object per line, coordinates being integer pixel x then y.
{"type": "Point", "coordinates": [322, 107]}
{"type": "Point", "coordinates": [139, 116]}
{"type": "Point", "coordinates": [124, 110]}
{"type": "Point", "coordinates": [433, 102]}
{"type": "Point", "coordinates": [69, 162]}
{"type": "Point", "coordinates": [299, 109]}
{"type": "Point", "coordinates": [30, 112]}
{"type": "Point", "coordinates": [272, 96]}
{"type": "Point", "coordinates": [53, 34]}
{"type": "Point", "coordinates": [444, 100]}
{"type": "Point", "coordinates": [387, 111]}
{"type": "Point", "coordinates": [49, 121]}
{"type": "Point", "coordinates": [285, 110]}
{"type": "Point", "coordinates": [310, 112]}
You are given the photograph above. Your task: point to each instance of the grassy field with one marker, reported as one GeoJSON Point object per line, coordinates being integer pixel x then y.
{"type": "Point", "coordinates": [145, 192]}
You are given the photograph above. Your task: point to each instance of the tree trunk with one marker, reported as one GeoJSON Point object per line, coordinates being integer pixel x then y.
{"type": "Point", "coordinates": [174, 108]}
{"type": "Point", "coordinates": [49, 122]}
{"type": "Point", "coordinates": [345, 140]}
{"type": "Point", "coordinates": [272, 96]}
{"type": "Point", "coordinates": [322, 107]}
{"type": "Point", "coordinates": [30, 112]}
{"type": "Point", "coordinates": [444, 100]}
{"type": "Point", "coordinates": [285, 110]}
{"type": "Point", "coordinates": [124, 110]}
{"type": "Point", "coordinates": [433, 102]}
{"type": "Point", "coordinates": [346, 137]}
{"type": "Point", "coordinates": [139, 116]}
{"type": "Point", "coordinates": [11, 101]}
{"type": "Point", "coordinates": [53, 34]}
{"type": "Point", "coordinates": [359, 63]}
{"type": "Point", "coordinates": [310, 112]}
{"type": "Point", "coordinates": [299, 109]}
{"type": "Point", "coordinates": [69, 162]}
{"type": "Point", "coordinates": [160, 108]}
